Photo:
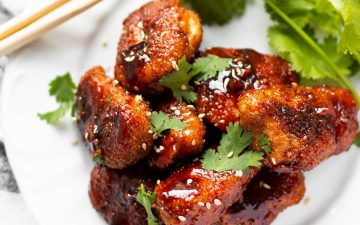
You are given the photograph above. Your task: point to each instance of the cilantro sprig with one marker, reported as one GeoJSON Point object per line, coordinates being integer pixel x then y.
{"type": "Point", "coordinates": [264, 143]}
{"type": "Point", "coordinates": [357, 140]}
{"type": "Point", "coordinates": [215, 11]}
{"type": "Point", "coordinates": [296, 38]}
{"type": "Point", "coordinates": [63, 89]}
{"type": "Point", "coordinates": [202, 69]}
{"type": "Point", "coordinates": [146, 199]}
{"type": "Point", "coordinates": [161, 122]}
{"type": "Point", "coordinates": [230, 154]}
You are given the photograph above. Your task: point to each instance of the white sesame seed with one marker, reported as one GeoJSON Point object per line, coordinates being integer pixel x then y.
{"type": "Point", "coordinates": [130, 58]}
{"type": "Point", "coordinates": [177, 112]}
{"type": "Point", "coordinates": [201, 115]}
{"type": "Point", "coordinates": [196, 82]}
{"type": "Point", "coordinates": [190, 106]}
{"type": "Point", "coordinates": [183, 87]}
{"type": "Point", "coordinates": [217, 202]}
{"type": "Point", "coordinates": [155, 136]}
{"type": "Point", "coordinates": [138, 98]}
{"type": "Point", "coordinates": [74, 142]}
{"type": "Point", "coordinates": [238, 173]}
{"type": "Point", "coordinates": [189, 181]}
{"type": "Point", "coordinates": [182, 218]}
{"type": "Point", "coordinates": [201, 204]}
{"type": "Point", "coordinates": [115, 82]}
{"type": "Point", "coordinates": [222, 121]}
{"type": "Point", "coordinates": [161, 147]}
{"type": "Point", "coordinates": [95, 129]}
{"type": "Point", "coordinates": [174, 65]}
{"type": "Point", "coordinates": [145, 57]}
{"type": "Point", "coordinates": [173, 108]}
{"type": "Point", "coordinates": [148, 113]}
{"type": "Point", "coordinates": [266, 186]}
{"type": "Point", "coordinates": [150, 132]}
{"type": "Point", "coordinates": [86, 135]}
{"type": "Point", "coordinates": [143, 145]}
{"type": "Point", "coordinates": [158, 182]}
{"type": "Point", "coordinates": [140, 24]}
{"type": "Point", "coordinates": [208, 205]}
{"type": "Point", "coordinates": [104, 42]}
{"type": "Point", "coordinates": [230, 154]}
{"type": "Point", "coordinates": [273, 161]}
{"type": "Point", "coordinates": [193, 142]}
{"type": "Point", "coordinates": [136, 88]}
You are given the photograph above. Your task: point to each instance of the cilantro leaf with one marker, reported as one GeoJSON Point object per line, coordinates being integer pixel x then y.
{"type": "Point", "coordinates": [207, 67]}
{"type": "Point", "coordinates": [63, 88]}
{"type": "Point", "coordinates": [146, 199]}
{"type": "Point", "coordinates": [98, 159]}
{"type": "Point", "coordinates": [54, 116]}
{"type": "Point", "coordinates": [230, 155]}
{"type": "Point", "coordinates": [350, 37]}
{"type": "Point", "coordinates": [178, 82]}
{"type": "Point", "coordinates": [215, 11]}
{"type": "Point", "coordinates": [160, 122]}
{"type": "Point", "coordinates": [298, 43]}
{"type": "Point", "coordinates": [357, 140]}
{"type": "Point", "coordinates": [264, 143]}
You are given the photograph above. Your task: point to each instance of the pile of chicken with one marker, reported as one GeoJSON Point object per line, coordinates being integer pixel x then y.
{"type": "Point", "coordinates": [305, 125]}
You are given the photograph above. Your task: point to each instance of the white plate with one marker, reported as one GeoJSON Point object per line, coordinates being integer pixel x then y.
{"type": "Point", "coordinates": [53, 174]}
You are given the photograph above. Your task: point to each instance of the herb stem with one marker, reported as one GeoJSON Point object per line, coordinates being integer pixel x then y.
{"type": "Point", "coordinates": [341, 77]}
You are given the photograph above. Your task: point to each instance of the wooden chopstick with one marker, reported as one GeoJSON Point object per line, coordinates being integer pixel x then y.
{"type": "Point", "coordinates": [43, 24]}
{"type": "Point", "coordinates": [28, 17]}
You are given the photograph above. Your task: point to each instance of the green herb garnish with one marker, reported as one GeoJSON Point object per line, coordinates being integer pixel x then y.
{"type": "Point", "coordinates": [296, 38]}
{"type": "Point", "coordinates": [203, 68]}
{"type": "Point", "coordinates": [216, 11]}
{"type": "Point", "coordinates": [357, 140]}
{"type": "Point", "coordinates": [264, 143]}
{"type": "Point", "coordinates": [146, 199]}
{"type": "Point", "coordinates": [160, 122]}
{"type": "Point", "coordinates": [230, 154]}
{"type": "Point", "coordinates": [63, 88]}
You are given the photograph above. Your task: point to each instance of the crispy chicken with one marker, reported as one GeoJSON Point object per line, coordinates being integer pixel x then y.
{"type": "Point", "coordinates": [194, 196]}
{"type": "Point", "coordinates": [218, 97]}
{"type": "Point", "coordinates": [176, 145]}
{"type": "Point", "coordinates": [153, 40]}
{"type": "Point", "coordinates": [305, 125]}
{"type": "Point", "coordinates": [112, 193]}
{"type": "Point", "coordinates": [113, 122]}
{"type": "Point", "coordinates": [265, 197]}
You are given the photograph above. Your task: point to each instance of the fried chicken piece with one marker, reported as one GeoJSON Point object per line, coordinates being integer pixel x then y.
{"type": "Point", "coordinates": [265, 197]}
{"type": "Point", "coordinates": [178, 144]}
{"type": "Point", "coordinates": [153, 40]}
{"type": "Point", "coordinates": [112, 193]}
{"type": "Point", "coordinates": [193, 195]}
{"type": "Point", "coordinates": [249, 69]}
{"type": "Point", "coordinates": [305, 125]}
{"type": "Point", "coordinates": [114, 123]}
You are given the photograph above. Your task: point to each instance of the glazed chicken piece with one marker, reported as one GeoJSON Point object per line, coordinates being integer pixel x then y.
{"type": "Point", "coordinates": [176, 145]}
{"type": "Point", "coordinates": [153, 40]}
{"type": "Point", "coordinates": [194, 196]}
{"type": "Point", "coordinates": [265, 197]}
{"type": "Point", "coordinates": [112, 193]}
{"type": "Point", "coordinates": [305, 125]}
{"type": "Point", "coordinates": [249, 69]}
{"type": "Point", "coordinates": [114, 123]}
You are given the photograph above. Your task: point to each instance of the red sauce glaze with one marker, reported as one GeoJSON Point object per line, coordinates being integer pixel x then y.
{"type": "Point", "coordinates": [113, 122]}
{"type": "Point", "coordinates": [112, 193]}
{"type": "Point", "coordinates": [218, 97]}
{"type": "Point", "coordinates": [178, 144]}
{"type": "Point", "coordinates": [265, 197]}
{"type": "Point", "coordinates": [194, 196]}
{"type": "Point", "coordinates": [155, 36]}
{"type": "Point", "coordinates": [305, 125]}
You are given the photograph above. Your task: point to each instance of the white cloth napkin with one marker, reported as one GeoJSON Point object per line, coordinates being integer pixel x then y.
{"type": "Point", "coordinates": [13, 210]}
